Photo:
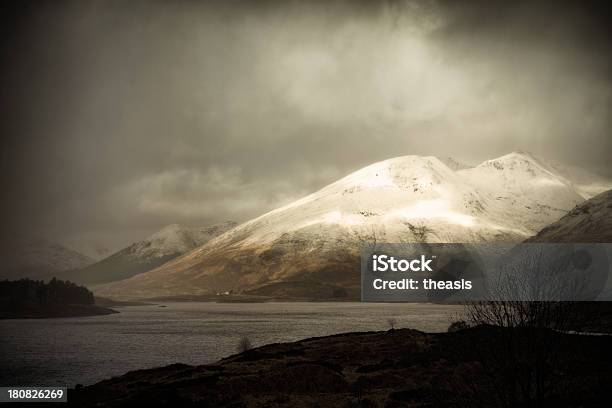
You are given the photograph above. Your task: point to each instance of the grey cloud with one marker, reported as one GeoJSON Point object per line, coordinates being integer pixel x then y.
{"type": "Point", "coordinates": [128, 116]}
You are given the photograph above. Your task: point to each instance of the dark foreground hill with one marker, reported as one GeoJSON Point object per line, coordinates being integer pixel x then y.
{"type": "Point", "coordinates": [483, 366]}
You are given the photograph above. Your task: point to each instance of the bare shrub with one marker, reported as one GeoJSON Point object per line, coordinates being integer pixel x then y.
{"type": "Point", "coordinates": [521, 352]}
{"type": "Point", "coordinates": [371, 237]}
{"type": "Point", "coordinates": [392, 321]}
{"type": "Point", "coordinates": [529, 294]}
{"type": "Point", "coordinates": [244, 344]}
{"type": "Point", "coordinates": [457, 325]}
{"type": "Point", "coordinates": [419, 233]}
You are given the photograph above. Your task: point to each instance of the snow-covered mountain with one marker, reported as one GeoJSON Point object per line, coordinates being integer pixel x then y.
{"type": "Point", "coordinates": [95, 250]}
{"type": "Point", "coordinates": [166, 244]}
{"type": "Point", "coordinates": [311, 246]}
{"type": "Point", "coordinates": [38, 259]}
{"type": "Point", "coordinates": [591, 221]}
{"type": "Point", "coordinates": [176, 239]}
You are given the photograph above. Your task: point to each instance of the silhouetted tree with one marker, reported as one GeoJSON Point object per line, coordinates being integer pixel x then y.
{"type": "Point", "coordinates": [27, 292]}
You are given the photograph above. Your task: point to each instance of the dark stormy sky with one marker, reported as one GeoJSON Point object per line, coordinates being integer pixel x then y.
{"type": "Point", "coordinates": [121, 117]}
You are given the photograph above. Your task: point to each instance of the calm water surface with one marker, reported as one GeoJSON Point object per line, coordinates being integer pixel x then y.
{"type": "Point", "coordinates": [85, 350]}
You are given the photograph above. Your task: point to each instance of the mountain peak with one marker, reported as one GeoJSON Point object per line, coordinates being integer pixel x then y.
{"type": "Point", "coordinates": [521, 163]}
{"type": "Point", "coordinates": [399, 171]}
{"type": "Point", "coordinates": [169, 242]}
{"type": "Point", "coordinates": [521, 152]}
{"type": "Point", "coordinates": [517, 155]}
{"type": "Point", "coordinates": [178, 239]}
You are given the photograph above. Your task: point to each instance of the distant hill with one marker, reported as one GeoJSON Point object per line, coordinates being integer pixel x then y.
{"type": "Point", "coordinates": [591, 221]}
{"type": "Point", "coordinates": [142, 256]}
{"type": "Point", "coordinates": [38, 259]}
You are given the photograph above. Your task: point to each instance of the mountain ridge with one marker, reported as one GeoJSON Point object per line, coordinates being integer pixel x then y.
{"type": "Point", "coordinates": [317, 238]}
{"type": "Point", "coordinates": [38, 258]}
{"type": "Point", "coordinates": [591, 221]}
{"type": "Point", "coordinates": [171, 241]}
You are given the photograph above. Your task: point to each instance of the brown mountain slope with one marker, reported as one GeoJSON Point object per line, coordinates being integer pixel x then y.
{"type": "Point", "coordinates": [590, 221]}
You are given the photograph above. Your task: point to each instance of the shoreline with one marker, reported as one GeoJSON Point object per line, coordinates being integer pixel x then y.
{"type": "Point", "coordinates": [57, 311]}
